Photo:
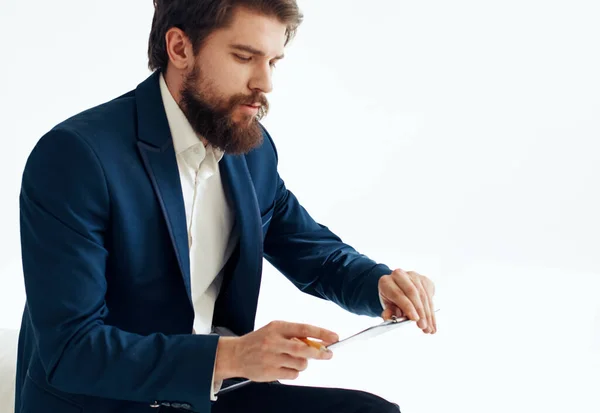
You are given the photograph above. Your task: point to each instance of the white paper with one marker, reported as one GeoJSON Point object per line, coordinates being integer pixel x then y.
{"type": "Point", "coordinates": [371, 332]}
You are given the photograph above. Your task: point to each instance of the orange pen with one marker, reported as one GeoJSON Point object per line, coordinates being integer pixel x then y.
{"type": "Point", "coordinates": [313, 344]}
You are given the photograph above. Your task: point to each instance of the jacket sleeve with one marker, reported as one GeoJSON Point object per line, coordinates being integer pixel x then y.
{"type": "Point", "coordinates": [64, 214]}
{"type": "Point", "coordinates": [316, 260]}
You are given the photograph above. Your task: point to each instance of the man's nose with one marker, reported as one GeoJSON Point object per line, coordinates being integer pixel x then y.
{"type": "Point", "coordinates": [262, 80]}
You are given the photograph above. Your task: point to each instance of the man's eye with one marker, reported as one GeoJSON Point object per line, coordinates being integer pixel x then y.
{"type": "Point", "coordinates": [242, 58]}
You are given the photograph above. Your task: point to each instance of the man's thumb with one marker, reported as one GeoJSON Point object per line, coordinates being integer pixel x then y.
{"type": "Point", "coordinates": [387, 313]}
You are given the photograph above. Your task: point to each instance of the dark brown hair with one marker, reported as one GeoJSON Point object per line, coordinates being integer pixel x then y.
{"type": "Point", "coordinates": [199, 18]}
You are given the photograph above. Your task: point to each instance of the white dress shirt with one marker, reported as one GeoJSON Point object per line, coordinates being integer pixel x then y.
{"type": "Point", "coordinates": [209, 216]}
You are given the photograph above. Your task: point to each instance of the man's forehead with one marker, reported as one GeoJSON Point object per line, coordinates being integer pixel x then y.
{"type": "Point", "coordinates": [263, 33]}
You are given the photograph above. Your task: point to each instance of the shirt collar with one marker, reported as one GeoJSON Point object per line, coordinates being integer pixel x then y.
{"type": "Point", "coordinates": [184, 136]}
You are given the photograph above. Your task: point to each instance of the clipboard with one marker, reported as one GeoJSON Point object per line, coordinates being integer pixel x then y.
{"type": "Point", "coordinates": [371, 332]}
{"type": "Point", "coordinates": [365, 334]}
{"type": "Point", "coordinates": [374, 331]}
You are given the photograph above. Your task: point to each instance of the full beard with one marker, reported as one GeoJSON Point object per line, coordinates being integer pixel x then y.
{"type": "Point", "coordinates": [214, 121]}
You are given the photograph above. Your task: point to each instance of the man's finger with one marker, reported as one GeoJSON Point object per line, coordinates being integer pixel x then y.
{"type": "Point", "coordinates": [297, 348]}
{"type": "Point", "coordinates": [395, 294]}
{"type": "Point", "coordinates": [291, 362]}
{"type": "Point", "coordinates": [427, 325]}
{"type": "Point", "coordinates": [425, 299]}
{"type": "Point", "coordinates": [290, 330]}
{"type": "Point", "coordinates": [433, 319]}
{"type": "Point", "coordinates": [403, 280]}
{"type": "Point", "coordinates": [430, 288]}
{"type": "Point", "coordinates": [387, 313]}
{"type": "Point", "coordinates": [287, 374]}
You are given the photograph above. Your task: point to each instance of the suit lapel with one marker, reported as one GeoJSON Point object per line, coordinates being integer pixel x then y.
{"type": "Point", "coordinates": [156, 149]}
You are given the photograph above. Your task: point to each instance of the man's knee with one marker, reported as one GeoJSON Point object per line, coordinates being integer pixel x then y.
{"type": "Point", "coordinates": [371, 403]}
{"type": "Point", "coordinates": [385, 407]}
{"type": "Point", "coordinates": [394, 408]}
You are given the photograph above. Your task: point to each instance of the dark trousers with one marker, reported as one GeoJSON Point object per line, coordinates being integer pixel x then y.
{"type": "Point", "coordinates": [280, 398]}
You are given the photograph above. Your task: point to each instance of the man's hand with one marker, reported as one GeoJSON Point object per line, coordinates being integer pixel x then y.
{"type": "Point", "coordinates": [407, 293]}
{"type": "Point", "coordinates": [271, 353]}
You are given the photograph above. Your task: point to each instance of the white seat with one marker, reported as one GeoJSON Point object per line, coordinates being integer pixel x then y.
{"type": "Point", "coordinates": [8, 366]}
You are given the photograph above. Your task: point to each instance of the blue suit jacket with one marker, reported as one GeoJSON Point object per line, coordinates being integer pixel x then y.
{"type": "Point", "coordinates": [108, 319]}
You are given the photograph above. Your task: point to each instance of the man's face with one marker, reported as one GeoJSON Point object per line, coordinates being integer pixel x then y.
{"type": "Point", "coordinates": [223, 97]}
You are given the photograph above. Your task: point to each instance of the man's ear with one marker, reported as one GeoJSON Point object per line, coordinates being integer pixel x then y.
{"type": "Point", "coordinates": [179, 48]}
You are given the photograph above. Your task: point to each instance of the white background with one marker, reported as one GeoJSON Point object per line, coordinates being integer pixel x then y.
{"type": "Point", "coordinates": [457, 139]}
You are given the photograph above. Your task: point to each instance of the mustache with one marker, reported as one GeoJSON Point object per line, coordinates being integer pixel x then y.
{"type": "Point", "coordinates": [256, 98]}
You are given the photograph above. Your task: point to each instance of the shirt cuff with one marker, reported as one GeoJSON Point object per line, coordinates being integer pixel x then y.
{"type": "Point", "coordinates": [215, 387]}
